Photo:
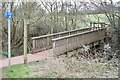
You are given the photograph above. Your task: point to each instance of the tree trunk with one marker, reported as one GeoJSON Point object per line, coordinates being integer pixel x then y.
{"type": "Point", "coordinates": [66, 26]}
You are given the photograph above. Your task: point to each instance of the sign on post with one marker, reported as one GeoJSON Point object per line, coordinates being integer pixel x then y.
{"type": "Point", "coordinates": [9, 16]}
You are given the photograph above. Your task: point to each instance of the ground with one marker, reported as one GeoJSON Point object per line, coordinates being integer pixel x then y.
{"type": "Point", "coordinates": [63, 67]}
{"type": "Point", "coordinates": [2, 57]}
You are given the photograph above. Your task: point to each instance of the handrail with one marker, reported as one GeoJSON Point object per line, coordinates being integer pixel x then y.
{"type": "Point", "coordinates": [76, 34]}
{"type": "Point", "coordinates": [45, 42]}
{"type": "Point", "coordinates": [71, 42]}
{"type": "Point", "coordinates": [59, 33]}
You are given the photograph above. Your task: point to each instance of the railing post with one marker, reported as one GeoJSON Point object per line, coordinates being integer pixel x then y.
{"type": "Point", "coordinates": [100, 25]}
{"type": "Point", "coordinates": [90, 24]}
{"type": "Point", "coordinates": [67, 44]}
{"type": "Point", "coordinates": [33, 45]}
{"type": "Point", "coordinates": [48, 42]}
{"type": "Point", "coordinates": [104, 25]}
{"type": "Point", "coordinates": [77, 31]}
{"type": "Point", "coordinates": [58, 35]}
{"type": "Point", "coordinates": [53, 52]}
{"type": "Point", "coordinates": [93, 26]}
{"type": "Point", "coordinates": [69, 33]}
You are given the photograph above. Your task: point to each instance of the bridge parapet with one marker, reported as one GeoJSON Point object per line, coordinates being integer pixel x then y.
{"type": "Point", "coordinates": [71, 42]}
{"type": "Point", "coordinates": [96, 25]}
{"type": "Point", "coordinates": [44, 42]}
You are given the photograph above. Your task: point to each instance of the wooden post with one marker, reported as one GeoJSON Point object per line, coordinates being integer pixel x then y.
{"type": "Point", "coordinates": [34, 45]}
{"type": "Point", "coordinates": [0, 39]}
{"type": "Point", "coordinates": [93, 26]}
{"type": "Point", "coordinates": [1, 42]}
{"type": "Point", "coordinates": [0, 50]}
{"type": "Point", "coordinates": [101, 25]}
{"type": "Point", "coordinates": [48, 40]}
{"type": "Point", "coordinates": [25, 41]}
{"type": "Point", "coordinates": [0, 32]}
{"type": "Point", "coordinates": [53, 49]}
{"type": "Point", "coordinates": [90, 24]}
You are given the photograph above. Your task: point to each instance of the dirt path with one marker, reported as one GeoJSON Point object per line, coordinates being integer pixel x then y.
{"type": "Point", "coordinates": [2, 57]}
{"type": "Point", "coordinates": [31, 58]}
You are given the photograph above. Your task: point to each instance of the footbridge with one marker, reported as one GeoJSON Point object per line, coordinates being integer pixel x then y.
{"type": "Point", "coordinates": [66, 41]}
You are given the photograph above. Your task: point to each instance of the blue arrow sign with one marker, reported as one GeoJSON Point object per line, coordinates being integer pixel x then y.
{"type": "Point", "coordinates": [9, 15]}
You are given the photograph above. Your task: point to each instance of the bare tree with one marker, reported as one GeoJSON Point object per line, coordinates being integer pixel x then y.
{"type": "Point", "coordinates": [109, 10]}
{"type": "Point", "coordinates": [20, 11]}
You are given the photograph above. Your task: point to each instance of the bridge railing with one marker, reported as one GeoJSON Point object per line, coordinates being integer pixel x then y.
{"type": "Point", "coordinates": [96, 25]}
{"type": "Point", "coordinates": [45, 42]}
{"type": "Point", "coordinates": [71, 42]}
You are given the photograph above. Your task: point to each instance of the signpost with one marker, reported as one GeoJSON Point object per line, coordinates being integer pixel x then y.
{"type": "Point", "coordinates": [9, 16]}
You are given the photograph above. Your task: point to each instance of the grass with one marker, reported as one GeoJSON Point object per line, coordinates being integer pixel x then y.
{"type": "Point", "coordinates": [18, 71]}
{"type": "Point", "coordinates": [72, 68]}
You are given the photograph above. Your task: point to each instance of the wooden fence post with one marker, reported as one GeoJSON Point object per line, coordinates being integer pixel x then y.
{"type": "Point", "coordinates": [0, 38]}
{"type": "Point", "coordinates": [53, 52]}
{"type": "Point", "coordinates": [33, 45]}
{"type": "Point", "coordinates": [25, 41]}
{"type": "Point", "coordinates": [90, 24]}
